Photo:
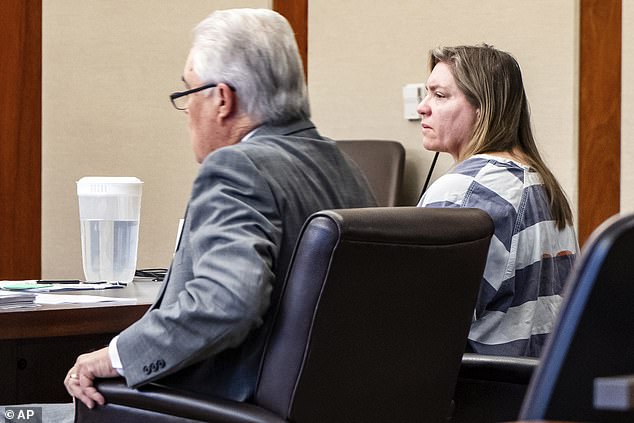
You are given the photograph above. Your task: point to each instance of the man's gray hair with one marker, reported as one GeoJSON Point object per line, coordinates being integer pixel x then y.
{"type": "Point", "coordinates": [254, 51]}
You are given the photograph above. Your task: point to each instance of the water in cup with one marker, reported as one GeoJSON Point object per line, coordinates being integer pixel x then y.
{"type": "Point", "coordinates": [109, 211]}
{"type": "Point", "coordinates": [109, 249]}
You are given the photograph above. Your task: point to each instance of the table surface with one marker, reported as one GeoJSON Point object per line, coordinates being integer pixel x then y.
{"type": "Point", "coordinates": [80, 319]}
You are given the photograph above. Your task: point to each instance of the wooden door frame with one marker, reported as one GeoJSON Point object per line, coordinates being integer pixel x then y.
{"type": "Point", "coordinates": [20, 139]}
{"type": "Point", "coordinates": [599, 163]}
{"type": "Point", "coordinates": [296, 12]}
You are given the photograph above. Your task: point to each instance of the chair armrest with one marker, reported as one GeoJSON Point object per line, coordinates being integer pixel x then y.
{"type": "Point", "coordinates": [491, 388]}
{"type": "Point", "coordinates": [614, 393]}
{"type": "Point", "coordinates": [496, 368]}
{"type": "Point", "coordinates": [175, 405]}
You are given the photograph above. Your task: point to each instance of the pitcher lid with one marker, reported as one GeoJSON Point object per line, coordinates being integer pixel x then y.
{"type": "Point", "coordinates": [109, 185]}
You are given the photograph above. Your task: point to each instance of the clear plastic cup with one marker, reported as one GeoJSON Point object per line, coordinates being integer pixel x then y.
{"type": "Point", "coordinates": [109, 212]}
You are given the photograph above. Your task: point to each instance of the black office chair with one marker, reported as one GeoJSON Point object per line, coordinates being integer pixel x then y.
{"type": "Point", "coordinates": [371, 326]}
{"type": "Point", "coordinates": [491, 388]}
{"type": "Point", "coordinates": [594, 333]}
{"type": "Point", "coordinates": [382, 162]}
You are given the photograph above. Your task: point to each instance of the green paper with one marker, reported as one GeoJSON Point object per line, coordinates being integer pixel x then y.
{"type": "Point", "coordinates": [24, 286]}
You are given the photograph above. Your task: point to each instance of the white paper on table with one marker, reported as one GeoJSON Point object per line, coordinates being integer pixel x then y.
{"type": "Point", "coordinates": [19, 306]}
{"type": "Point", "coordinates": [54, 299]}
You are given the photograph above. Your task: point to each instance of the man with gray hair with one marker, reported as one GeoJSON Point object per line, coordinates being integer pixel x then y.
{"type": "Point", "coordinates": [264, 170]}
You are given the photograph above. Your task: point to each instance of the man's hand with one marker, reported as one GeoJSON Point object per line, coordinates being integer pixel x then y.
{"type": "Point", "coordinates": [79, 380]}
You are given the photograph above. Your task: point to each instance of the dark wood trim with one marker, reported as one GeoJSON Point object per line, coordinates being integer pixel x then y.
{"type": "Point", "coordinates": [70, 321]}
{"type": "Point", "coordinates": [296, 11]}
{"type": "Point", "coordinates": [38, 346]}
{"type": "Point", "coordinates": [80, 319]}
{"type": "Point", "coordinates": [20, 138]}
{"type": "Point", "coordinates": [599, 113]}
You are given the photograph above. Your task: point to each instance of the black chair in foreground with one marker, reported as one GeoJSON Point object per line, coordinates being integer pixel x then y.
{"type": "Point", "coordinates": [383, 164]}
{"type": "Point", "coordinates": [371, 327]}
{"type": "Point", "coordinates": [491, 388]}
{"type": "Point", "coordinates": [594, 334]}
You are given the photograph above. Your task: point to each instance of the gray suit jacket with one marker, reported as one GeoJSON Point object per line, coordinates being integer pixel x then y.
{"type": "Point", "coordinates": [206, 331]}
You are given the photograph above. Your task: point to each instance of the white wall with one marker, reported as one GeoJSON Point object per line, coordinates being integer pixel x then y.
{"type": "Point", "coordinates": [109, 65]}
{"type": "Point", "coordinates": [108, 68]}
{"type": "Point", "coordinates": [362, 53]}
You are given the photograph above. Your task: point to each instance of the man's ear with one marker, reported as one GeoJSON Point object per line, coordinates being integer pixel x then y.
{"type": "Point", "coordinates": [227, 100]}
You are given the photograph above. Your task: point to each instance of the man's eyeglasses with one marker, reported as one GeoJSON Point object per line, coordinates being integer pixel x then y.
{"type": "Point", "coordinates": [179, 99]}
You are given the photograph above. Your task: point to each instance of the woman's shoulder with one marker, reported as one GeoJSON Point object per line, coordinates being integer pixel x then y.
{"type": "Point", "coordinates": [449, 190]}
{"type": "Point", "coordinates": [471, 166]}
{"type": "Point", "coordinates": [480, 175]}
{"type": "Point", "coordinates": [489, 168]}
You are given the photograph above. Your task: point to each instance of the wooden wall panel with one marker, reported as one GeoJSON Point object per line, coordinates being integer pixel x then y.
{"type": "Point", "coordinates": [296, 11]}
{"type": "Point", "coordinates": [20, 138]}
{"type": "Point", "coordinates": [599, 113]}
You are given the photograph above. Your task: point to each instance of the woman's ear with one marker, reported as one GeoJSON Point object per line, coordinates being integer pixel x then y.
{"type": "Point", "coordinates": [478, 116]}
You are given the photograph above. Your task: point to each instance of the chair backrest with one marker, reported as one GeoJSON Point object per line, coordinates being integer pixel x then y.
{"type": "Point", "coordinates": [382, 162]}
{"type": "Point", "coordinates": [374, 315]}
{"type": "Point", "coordinates": [594, 332]}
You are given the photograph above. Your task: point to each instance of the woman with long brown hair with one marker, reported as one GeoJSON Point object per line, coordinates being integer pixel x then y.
{"type": "Point", "coordinates": [476, 109]}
